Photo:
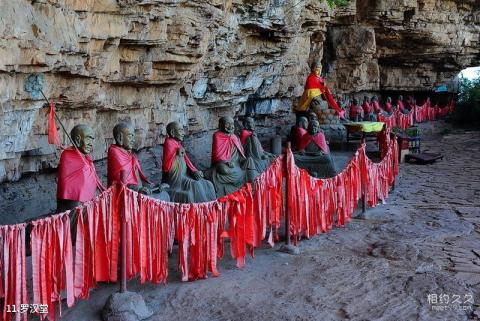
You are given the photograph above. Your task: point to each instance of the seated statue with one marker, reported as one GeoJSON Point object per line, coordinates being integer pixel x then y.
{"type": "Point", "coordinates": [356, 111]}
{"type": "Point", "coordinates": [314, 154]}
{"type": "Point", "coordinates": [298, 131]}
{"type": "Point", "coordinates": [77, 177]}
{"type": "Point", "coordinates": [77, 180]}
{"type": "Point", "coordinates": [376, 105]}
{"type": "Point", "coordinates": [253, 148]}
{"type": "Point", "coordinates": [122, 159]}
{"type": "Point", "coordinates": [388, 106]}
{"type": "Point", "coordinates": [411, 103]}
{"type": "Point", "coordinates": [401, 105]}
{"type": "Point", "coordinates": [228, 160]}
{"type": "Point", "coordinates": [368, 110]}
{"type": "Point", "coordinates": [187, 184]}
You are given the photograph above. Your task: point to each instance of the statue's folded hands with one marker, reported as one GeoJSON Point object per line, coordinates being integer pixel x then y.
{"type": "Point", "coordinates": [197, 175]}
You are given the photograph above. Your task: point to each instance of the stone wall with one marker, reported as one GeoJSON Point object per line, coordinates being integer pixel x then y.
{"type": "Point", "coordinates": [147, 61]}
{"type": "Point", "coordinates": [155, 61]}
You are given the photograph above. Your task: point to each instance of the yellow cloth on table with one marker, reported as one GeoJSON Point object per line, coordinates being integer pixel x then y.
{"type": "Point", "coordinates": [365, 127]}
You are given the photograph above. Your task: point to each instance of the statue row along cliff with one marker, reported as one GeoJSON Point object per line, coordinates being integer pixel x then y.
{"type": "Point", "coordinates": [234, 162]}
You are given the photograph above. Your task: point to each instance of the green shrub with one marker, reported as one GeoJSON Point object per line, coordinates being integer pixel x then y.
{"type": "Point", "coordinates": [339, 3]}
{"type": "Point", "coordinates": [467, 111]}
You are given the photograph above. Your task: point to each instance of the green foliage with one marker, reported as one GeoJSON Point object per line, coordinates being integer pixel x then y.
{"type": "Point", "coordinates": [467, 111]}
{"type": "Point", "coordinates": [337, 3]}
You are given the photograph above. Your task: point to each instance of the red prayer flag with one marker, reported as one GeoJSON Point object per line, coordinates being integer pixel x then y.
{"type": "Point", "coordinates": [53, 137]}
{"type": "Point", "coordinates": [13, 272]}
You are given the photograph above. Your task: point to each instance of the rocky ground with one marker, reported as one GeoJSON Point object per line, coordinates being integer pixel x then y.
{"type": "Point", "coordinates": [415, 258]}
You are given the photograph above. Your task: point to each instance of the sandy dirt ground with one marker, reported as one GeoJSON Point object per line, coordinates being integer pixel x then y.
{"type": "Point", "coordinates": [402, 262]}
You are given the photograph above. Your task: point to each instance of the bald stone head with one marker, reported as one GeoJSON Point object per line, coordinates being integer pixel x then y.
{"type": "Point", "coordinates": [313, 127]}
{"type": "Point", "coordinates": [226, 125]}
{"type": "Point", "coordinates": [312, 116]}
{"type": "Point", "coordinates": [83, 137]}
{"type": "Point", "coordinates": [316, 68]}
{"type": "Point", "coordinates": [249, 123]}
{"type": "Point", "coordinates": [302, 122]}
{"type": "Point", "coordinates": [124, 135]}
{"type": "Point", "coordinates": [175, 131]}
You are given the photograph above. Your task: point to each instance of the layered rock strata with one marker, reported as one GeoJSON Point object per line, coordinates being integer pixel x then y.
{"type": "Point", "coordinates": [152, 62]}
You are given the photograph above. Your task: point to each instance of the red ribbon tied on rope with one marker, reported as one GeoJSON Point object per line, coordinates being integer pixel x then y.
{"type": "Point", "coordinates": [53, 137]}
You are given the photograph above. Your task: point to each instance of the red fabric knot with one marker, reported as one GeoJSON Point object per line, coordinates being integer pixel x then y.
{"type": "Point", "coordinates": [53, 137]}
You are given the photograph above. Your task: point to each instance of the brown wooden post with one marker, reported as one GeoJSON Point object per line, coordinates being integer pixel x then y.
{"type": "Point", "coordinates": [123, 240]}
{"type": "Point", "coordinates": [287, 213]}
{"type": "Point", "coordinates": [364, 201]}
{"type": "Point", "coordinates": [392, 136]}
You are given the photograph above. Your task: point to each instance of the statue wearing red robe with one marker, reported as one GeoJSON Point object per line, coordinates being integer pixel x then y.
{"type": "Point", "coordinates": [401, 105]}
{"type": "Point", "coordinates": [120, 159]}
{"type": "Point", "coordinates": [253, 149]}
{"type": "Point", "coordinates": [187, 185]}
{"type": "Point", "coordinates": [356, 112]}
{"type": "Point", "coordinates": [77, 177]}
{"type": "Point", "coordinates": [314, 87]}
{"type": "Point", "coordinates": [314, 153]}
{"type": "Point", "coordinates": [311, 143]}
{"type": "Point", "coordinates": [388, 107]}
{"type": "Point", "coordinates": [228, 160]}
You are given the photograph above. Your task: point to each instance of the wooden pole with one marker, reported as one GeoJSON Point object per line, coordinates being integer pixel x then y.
{"type": "Point", "coordinates": [123, 240]}
{"type": "Point", "coordinates": [393, 136]}
{"type": "Point", "coordinates": [364, 201]}
{"type": "Point", "coordinates": [287, 213]}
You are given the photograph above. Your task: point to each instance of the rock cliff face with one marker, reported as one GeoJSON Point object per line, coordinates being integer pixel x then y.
{"type": "Point", "coordinates": [155, 61]}
{"type": "Point", "coordinates": [408, 45]}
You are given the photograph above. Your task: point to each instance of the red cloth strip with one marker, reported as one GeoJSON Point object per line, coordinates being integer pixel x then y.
{"type": "Point", "coordinates": [13, 276]}
{"type": "Point", "coordinates": [53, 137]}
{"type": "Point", "coordinates": [52, 262]}
{"type": "Point", "coordinates": [149, 236]}
{"type": "Point", "coordinates": [97, 242]}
